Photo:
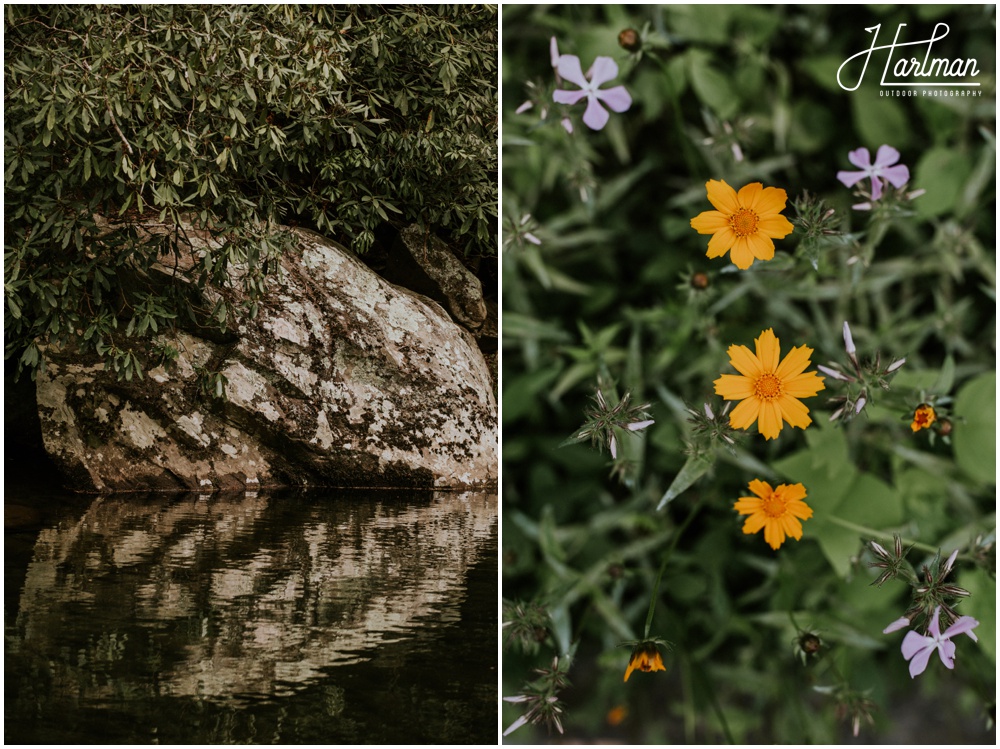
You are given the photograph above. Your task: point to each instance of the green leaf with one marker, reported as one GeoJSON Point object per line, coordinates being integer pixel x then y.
{"type": "Point", "coordinates": [974, 434]}
{"type": "Point", "coordinates": [942, 172]}
{"type": "Point", "coordinates": [691, 471]}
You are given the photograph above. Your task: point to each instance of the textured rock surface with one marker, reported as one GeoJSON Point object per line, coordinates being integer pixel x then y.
{"type": "Point", "coordinates": [342, 380]}
{"type": "Point", "coordinates": [424, 263]}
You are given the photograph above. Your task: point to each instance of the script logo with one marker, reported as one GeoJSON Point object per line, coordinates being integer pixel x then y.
{"type": "Point", "coordinates": [939, 67]}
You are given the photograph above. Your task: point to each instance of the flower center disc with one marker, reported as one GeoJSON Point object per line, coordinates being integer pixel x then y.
{"type": "Point", "coordinates": [773, 506]}
{"type": "Point", "coordinates": [767, 386]}
{"type": "Point", "coordinates": [743, 222]}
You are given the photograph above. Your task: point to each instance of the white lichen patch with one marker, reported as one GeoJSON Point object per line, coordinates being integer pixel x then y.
{"type": "Point", "coordinates": [191, 352]}
{"type": "Point", "coordinates": [140, 429]}
{"type": "Point", "coordinates": [229, 450]}
{"type": "Point", "coordinates": [191, 426]}
{"type": "Point", "coordinates": [287, 331]}
{"type": "Point", "coordinates": [324, 435]}
{"type": "Point", "coordinates": [248, 390]}
{"type": "Point", "coordinates": [403, 317]}
{"type": "Point", "coordinates": [296, 372]}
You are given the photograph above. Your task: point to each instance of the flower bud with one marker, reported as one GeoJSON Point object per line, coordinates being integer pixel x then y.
{"type": "Point", "coordinates": [629, 39]}
{"type": "Point", "coordinates": [810, 643]}
{"type": "Point", "coordinates": [848, 339]}
{"type": "Point", "coordinates": [699, 280]}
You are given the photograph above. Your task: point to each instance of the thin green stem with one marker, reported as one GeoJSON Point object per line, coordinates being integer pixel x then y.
{"type": "Point", "coordinates": [880, 534]}
{"type": "Point", "coordinates": [666, 558]}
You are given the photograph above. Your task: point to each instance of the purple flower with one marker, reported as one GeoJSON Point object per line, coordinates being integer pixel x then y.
{"type": "Point", "coordinates": [917, 648]}
{"type": "Point", "coordinates": [882, 169]}
{"type": "Point", "coordinates": [603, 70]}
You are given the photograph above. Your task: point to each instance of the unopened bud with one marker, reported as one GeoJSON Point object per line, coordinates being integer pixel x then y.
{"type": "Point", "coordinates": [699, 280]}
{"type": "Point", "coordinates": [629, 39]}
{"type": "Point", "coordinates": [810, 643]}
{"type": "Point", "coordinates": [848, 340]}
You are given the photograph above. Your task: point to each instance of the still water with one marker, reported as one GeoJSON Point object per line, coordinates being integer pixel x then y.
{"type": "Point", "coordinates": [270, 617]}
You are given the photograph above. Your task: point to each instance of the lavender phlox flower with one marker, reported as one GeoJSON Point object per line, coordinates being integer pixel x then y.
{"type": "Point", "coordinates": [567, 124]}
{"type": "Point", "coordinates": [860, 405]}
{"type": "Point", "coordinates": [524, 108]}
{"type": "Point", "coordinates": [613, 444]}
{"type": "Point", "coordinates": [881, 169]}
{"type": "Point", "coordinates": [708, 411]}
{"type": "Point", "coordinates": [554, 51]}
{"type": "Point", "coordinates": [603, 70]}
{"type": "Point", "coordinates": [901, 623]}
{"type": "Point", "coordinates": [918, 648]}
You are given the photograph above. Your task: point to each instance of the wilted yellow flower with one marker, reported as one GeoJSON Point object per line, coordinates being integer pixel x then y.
{"type": "Point", "coordinates": [645, 657]}
{"type": "Point", "coordinates": [768, 391]}
{"type": "Point", "coordinates": [923, 417]}
{"type": "Point", "coordinates": [744, 222]}
{"type": "Point", "coordinates": [777, 511]}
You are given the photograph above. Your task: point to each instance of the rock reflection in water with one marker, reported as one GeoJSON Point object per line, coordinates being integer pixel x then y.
{"type": "Point", "coordinates": [243, 599]}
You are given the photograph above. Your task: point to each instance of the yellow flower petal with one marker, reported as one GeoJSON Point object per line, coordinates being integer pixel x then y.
{"type": "Point", "coordinates": [748, 196]}
{"type": "Point", "coordinates": [794, 412]}
{"type": "Point", "coordinates": [734, 387]}
{"type": "Point", "coordinates": [777, 227]}
{"type": "Point", "coordinates": [761, 488]}
{"type": "Point", "coordinates": [761, 247]}
{"type": "Point", "coordinates": [770, 200]}
{"type": "Point", "coordinates": [794, 363]}
{"type": "Point", "coordinates": [740, 253]}
{"type": "Point", "coordinates": [720, 242]}
{"type": "Point", "coordinates": [791, 527]}
{"type": "Point", "coordinates": [709, 222]}
{"type": "Point", "coordinates": [773, 534]}
{"type": "Point", "coordinates": [745, 362]}
{"type": "Point", "coordinates": [722, 196]}
{"type": "Point", "coordinates": [769, 422]}
{"type": "Point", "coordinates": [805, 385]}
{"type": "Point", "coordinates": [754, 523]}
{"type": "Point", "coordinates": [768, 350]}
{"type": "Point", "coordinates": [745, 413]}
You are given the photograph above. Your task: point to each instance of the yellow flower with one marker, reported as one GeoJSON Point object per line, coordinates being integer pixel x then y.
{"type": "Point", "coordinates": [777, 511]}
{"type": "Point", "coordinates": [923, 417]}
{"type": "Point", "coordinates": [645, 657]}
{"type": "Point", "coordinates": [768, 391]}
{"type": "Point", "coordinates": [744, 222]}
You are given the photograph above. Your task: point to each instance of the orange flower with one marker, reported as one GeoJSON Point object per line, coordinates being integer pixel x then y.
{"type": "Point", "coordinates": [777, 511]}
{"type": "Point", "coordinates": [616, 715]}
{"type": "Point", "coordinates": [923, 417]}
{"type": "Point", "coordinates": [743, 222]}
{"type": "Point", "coordinates": [769, 392]}
{"type": "Point", "coordinates": [645, 657]}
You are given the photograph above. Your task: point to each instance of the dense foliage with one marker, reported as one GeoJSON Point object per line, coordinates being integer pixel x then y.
{"type": "Point", "coordinates": [618, 531]}
{"type": "Point", "coordinates": [234, 118]}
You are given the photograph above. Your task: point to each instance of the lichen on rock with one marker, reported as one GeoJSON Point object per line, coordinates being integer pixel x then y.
{"type": "Point", "coordinates": [342, 379]}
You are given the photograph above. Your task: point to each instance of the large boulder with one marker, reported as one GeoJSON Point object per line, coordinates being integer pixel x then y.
{"type": "Point", "coordinates": [342, 379]}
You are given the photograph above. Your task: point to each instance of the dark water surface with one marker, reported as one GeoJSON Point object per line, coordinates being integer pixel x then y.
{"type": "Point", "coordinates": [292, 617]}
